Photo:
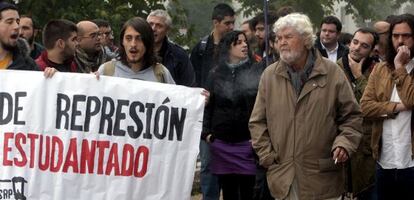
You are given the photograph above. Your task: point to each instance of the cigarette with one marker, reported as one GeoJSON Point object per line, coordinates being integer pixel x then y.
{"type": "Point", "coordinates": [336, 160]}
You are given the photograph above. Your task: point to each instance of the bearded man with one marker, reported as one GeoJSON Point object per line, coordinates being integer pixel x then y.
{"type": "Point", "coordinates": [306, 122]}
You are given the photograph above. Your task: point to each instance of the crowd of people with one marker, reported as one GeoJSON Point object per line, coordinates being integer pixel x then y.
{"type": "Point", "coordinates": [314, 116]}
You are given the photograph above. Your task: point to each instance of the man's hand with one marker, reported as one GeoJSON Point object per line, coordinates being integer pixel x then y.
{"type": "Point", "coordinates": [49, 72]}
{"type": "Point", "coordinates": [206, 94]}
{"type": "Point", "coordinates": [400, 107]}
{"type": "Point", "coordinates": [340, 155]}
{"type": "Point", "coordinates": [356, 67]}
{"type": "Point", "coordinates": [402, 57]}
{"type": "Point", "coordinates": [97, 75]}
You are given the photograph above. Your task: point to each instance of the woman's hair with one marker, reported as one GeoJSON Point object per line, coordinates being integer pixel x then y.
{"type": "Point", "coordinates": [229, 40]}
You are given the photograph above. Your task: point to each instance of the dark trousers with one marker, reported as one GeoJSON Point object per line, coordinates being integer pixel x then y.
{"type": "Point", "coordinates": [395, 183]}
{"type": "Point", "coordinates": [261, 189]}
{"type": "Point", "coordinates": [237, 186]}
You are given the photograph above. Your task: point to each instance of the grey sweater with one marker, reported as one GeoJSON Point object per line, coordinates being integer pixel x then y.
{"type": "Point", "coordinates": [146, 75]}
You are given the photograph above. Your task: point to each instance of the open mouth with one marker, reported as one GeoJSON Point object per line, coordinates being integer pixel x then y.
{"type": "Point", "coordinates": [14, 36]}
{"type": "Point", "coordinates": [133, 51]}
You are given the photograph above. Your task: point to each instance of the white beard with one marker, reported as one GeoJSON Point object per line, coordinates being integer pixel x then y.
{"type": "Point", "coordinates": [290, 57]}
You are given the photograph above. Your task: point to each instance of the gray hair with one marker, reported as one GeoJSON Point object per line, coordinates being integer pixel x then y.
{"type": "Point", "coordinates": [301, 23]}
{"type": "Point", "coordinates": [164, 14]}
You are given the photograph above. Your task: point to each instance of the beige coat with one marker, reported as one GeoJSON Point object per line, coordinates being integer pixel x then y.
{"type": "Point", "coordinates": [294, 137]}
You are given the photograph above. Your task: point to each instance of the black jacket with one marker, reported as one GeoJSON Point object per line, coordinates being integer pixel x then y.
{"type": "Point", "coordinates": [342, 49]}
{"type": "Point", "coordinates": [178, 63]}
{"type": "Point", "coordinates": [203, 59]}
{"type": "Point", "coordinates": [21, 57]}
{"type": "Point", "coordinates": [232, 96]}
{"type": "Point", "coordinates": [38, 49]}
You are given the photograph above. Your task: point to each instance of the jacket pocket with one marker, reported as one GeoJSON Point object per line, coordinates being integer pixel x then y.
{"type": "Point", "coordinates": [327, 165]}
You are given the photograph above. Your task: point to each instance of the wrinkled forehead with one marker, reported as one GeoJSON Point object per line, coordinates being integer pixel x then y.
{"type": "Point", "coordinates": [157, 19]}
{"type": "Point", "coordinates": [287, 30]}
{"type": "Point", "coordinates": [402, 27]}
{"type": "Point", "coordinates": [26, 21]}
{"type": "Point", "coordinates": [364, 37]}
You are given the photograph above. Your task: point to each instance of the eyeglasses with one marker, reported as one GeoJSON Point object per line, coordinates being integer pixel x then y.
{"type": "Point", "coordinates": [106, 34]}
{"type": "Point", "coordinates": [95, 35]}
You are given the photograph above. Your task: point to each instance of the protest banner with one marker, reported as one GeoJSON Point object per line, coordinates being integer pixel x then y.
{"type": "Point", "coordinates": [75, 137]}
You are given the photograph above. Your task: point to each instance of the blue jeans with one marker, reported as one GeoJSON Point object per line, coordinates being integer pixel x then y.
{"type": "Point", "coordinates": [209, 182]}
{"type": "Point", "coordinates": [394, 183]}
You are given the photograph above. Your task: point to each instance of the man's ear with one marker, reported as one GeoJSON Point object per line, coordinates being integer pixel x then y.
{"type": "Point", "coordinates": [215, 22]}
{"type": "Point", "coordinates": [60, 43]}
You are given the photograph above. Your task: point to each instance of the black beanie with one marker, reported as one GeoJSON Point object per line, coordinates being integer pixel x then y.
{"type": "Point", "coordinates": [7, 6]}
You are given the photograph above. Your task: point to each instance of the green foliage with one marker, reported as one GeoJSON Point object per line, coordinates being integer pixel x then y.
{"type": "Point", "coordinates": [115, 11]}
{"type": "Point", "coordinates": [193, 16]}
{"type": "Point", "coordinates": [372, 10]}
{"type": "Point", "coordinates": [182, 31]}
{"type": "Point", "coordinates": [197, 14]}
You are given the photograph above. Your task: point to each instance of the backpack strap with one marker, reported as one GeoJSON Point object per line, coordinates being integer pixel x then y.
{"type": "Point", "coordinates": [109, 68]}
{"type": "Point", "coordinates": [159, 73]}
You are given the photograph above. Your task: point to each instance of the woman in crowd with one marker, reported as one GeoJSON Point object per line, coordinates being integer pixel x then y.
{"type": "Point", "coordinates": [226, 118]}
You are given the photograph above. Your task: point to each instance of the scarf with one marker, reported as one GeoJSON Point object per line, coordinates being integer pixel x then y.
{"type": "Point", "coordinates": [86, 63]}
{"type": "Point", "coordinates": [235, 65]}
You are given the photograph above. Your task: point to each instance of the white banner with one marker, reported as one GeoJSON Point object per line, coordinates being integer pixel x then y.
{"type": "Point", "coordinates": [74, 137]}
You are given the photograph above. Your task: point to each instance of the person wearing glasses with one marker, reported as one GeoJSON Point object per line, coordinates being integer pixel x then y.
{"type": "Point", "coordinates": [107, 39]}
{"type": "Point", "coordinates": [89, 52]}
{"type": "Point", "coordinates": [388, 100]}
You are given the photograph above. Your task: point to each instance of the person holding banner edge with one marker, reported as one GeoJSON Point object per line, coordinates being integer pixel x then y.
{"type": "Point", "coordinates": [136, 57]}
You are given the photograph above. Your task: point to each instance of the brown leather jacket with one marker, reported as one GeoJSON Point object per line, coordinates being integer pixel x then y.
{"type": "Point", "coordinates": [375, 102]}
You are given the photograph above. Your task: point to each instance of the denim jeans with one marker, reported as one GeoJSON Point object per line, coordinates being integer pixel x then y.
{"type": "Point", "coordinates": [209, 182]}
{"type": "Point", "coordinates": [394, 183]}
